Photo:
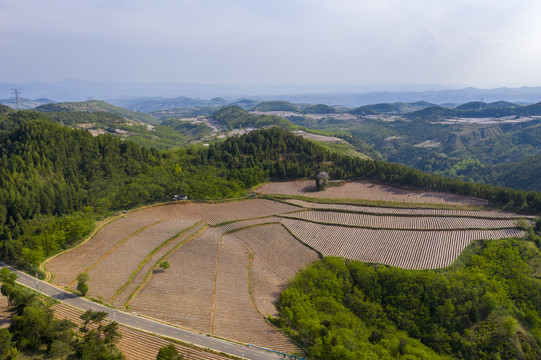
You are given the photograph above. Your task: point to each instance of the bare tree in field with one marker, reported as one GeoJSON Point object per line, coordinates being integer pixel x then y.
{"type": "Point", "coordinates": [322, 179]}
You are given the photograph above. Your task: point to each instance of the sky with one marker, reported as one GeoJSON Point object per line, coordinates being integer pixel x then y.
{"type": "Point", "coordinates": [479, 43]}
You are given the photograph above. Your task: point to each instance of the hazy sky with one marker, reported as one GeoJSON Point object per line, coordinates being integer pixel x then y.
{"type": "Point", "coordinates": [481, 43]}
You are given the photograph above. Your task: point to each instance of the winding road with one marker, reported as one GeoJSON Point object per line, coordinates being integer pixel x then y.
{"type": "Point", "coordinates": [145, 324]}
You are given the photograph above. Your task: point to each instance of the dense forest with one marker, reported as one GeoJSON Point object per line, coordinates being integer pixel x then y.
{"type": "Point", "coordinates": [486, 306]}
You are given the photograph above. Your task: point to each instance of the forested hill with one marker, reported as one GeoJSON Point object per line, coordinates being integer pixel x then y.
{"type": "Point", "coordinates": [47, 170]}
{"type": "Point", "coordinates": [235, 117]}
{"type": "Point", "coordinates": [476, 110]}
{"type": "Point", "coordinates": [98, 106]}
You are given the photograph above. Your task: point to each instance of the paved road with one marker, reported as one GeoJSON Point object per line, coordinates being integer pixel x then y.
{"type": "Point", "coordinates": [145, 324]}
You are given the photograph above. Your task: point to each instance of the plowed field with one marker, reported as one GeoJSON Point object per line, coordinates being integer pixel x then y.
{"type": "Point", "coordinates": [367, 191]}
{"type": "Point", "coordinates": [403, 222]}
{"type": "Point", "coordinates": [409, 212]}
{"type": "Point", "coordinates": [77, 260]}
{"type": "Point", "coordinates": [406, 249]}
{"type": "Point", "coordinates": [214, 214]}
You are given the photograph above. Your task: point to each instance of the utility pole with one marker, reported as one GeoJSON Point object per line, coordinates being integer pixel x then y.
{"type": "Point", "coordinates": [16, 93]}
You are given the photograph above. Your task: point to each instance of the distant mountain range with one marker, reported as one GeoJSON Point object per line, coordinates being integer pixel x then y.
{"type": "Point", "coordinates": [121, 93]}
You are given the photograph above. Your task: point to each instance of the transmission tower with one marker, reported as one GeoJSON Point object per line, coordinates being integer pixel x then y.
{"type": "Point", "coordinates": [16, 93]}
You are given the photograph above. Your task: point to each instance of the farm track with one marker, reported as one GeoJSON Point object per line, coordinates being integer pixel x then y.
{"type": "Point", "coordinates": [367, 191]}
{"type": "Point", "coordinates": [139, 345]}
{"type": "Point", "coordinates": [67, 265]}
{"type": "Point", "coordinates": [402, 248]}
{"type": "Point", "coordinates": [376, 210]}
{"type": "Point", "coordinates": [420, 223]}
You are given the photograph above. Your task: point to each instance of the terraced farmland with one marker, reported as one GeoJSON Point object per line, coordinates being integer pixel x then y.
{"type": "Point", "coordinates": [79, 259]}
{"type": "Point", "coordinates": [230, 261]}
{"type": "Point", "coordinates": [405, 249]}
{"type": "Point", "coordinates": [111, 272]}
{"type": "Point", "coordinates": [278, 256]}
{"type": "Point", "coordinates": [408, 212]}
{"type": "Point", "coordinates": [214, 214]}
{"type": "Point", "coordinates": [367, 191]}
{"type": "Point", "coordinates": [403, 222]}
{"type": "Point", "coordinates": [183, 294]}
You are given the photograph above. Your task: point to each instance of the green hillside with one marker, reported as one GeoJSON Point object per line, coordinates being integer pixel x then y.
{"type": "Point", "coordinates": [234, 117]}
{"type": "Point", "coordinates": [390, 108]}
{"type": "Point", "coordinates": [524, 174]}
{"type": "Point", "coordinates": [156, 136]}
{"type": "Point", "coordinates": [476, 110]}
{"type": "Point", "coordinates": [97, 105]}
{"type": "Point", "coordinates": [318, 109]}
{"type": "Point", "coordinates": [277, 105]}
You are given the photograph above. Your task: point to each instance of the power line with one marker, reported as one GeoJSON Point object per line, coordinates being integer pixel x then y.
{"type": "Point", "coordinates": [16, 93]}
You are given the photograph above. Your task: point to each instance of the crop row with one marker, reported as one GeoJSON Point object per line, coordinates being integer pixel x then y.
{"type": "Point", "coordinates": [141, 273]}
{"type": "Point", "coordinates": [235, 316]}
{"type": "Point", "coordinates": [277, 257]}
{"type": "Point", "coordinates": [244, 223]}
{"type": "Point", "coordinates": [402, 248]}
{"type": "Point", "coordinates": [67, 265]}
{"type": "Point", "coordinates": [403, 222]}
{"type": "Point", "coordinates": [367, 191]}
{"type": "Point", "coordinates": [409, 212]}
{"type": "Point", "coordinates": [115, 269]}
{"type": "Point", "coordinates": [183, 294]}
{"type": "Point", "coordinates": [276, 247]}
{"type": "Point", "coordinates": [214, 214]}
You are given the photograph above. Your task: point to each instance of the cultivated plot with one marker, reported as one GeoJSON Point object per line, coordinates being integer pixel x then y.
{"type": "Point", "coordinates": [66, 266]}
{"type": "Point", "coordinates": [403, 222]}
{"type": "Point", "coordinates": [409, 212]}
{"type": "Point", "coordinates": [277, 257]}
{"type": "Point", "coordinates": [367, 191]}
{"type": "Point", "coordinates": [402, 248]}
{"type": "Point", "coordinates": [184, 294]}
{"type": "Point", "coordinates": [214, 214]}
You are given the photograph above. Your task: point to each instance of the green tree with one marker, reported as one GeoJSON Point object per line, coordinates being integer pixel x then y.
{"type": "Point", "coordinates": [169, 352]}
{"type": "Point", "coordinates": [82, 285]}
{"type": "Point", "coordinates": [5, 343]}
{"type": "Point", "coordinates": [164, 265]}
